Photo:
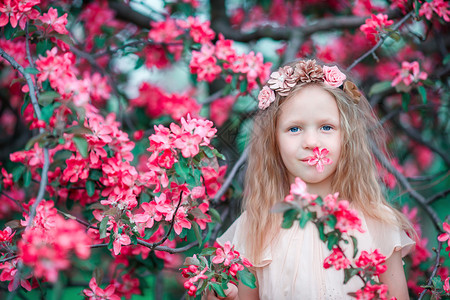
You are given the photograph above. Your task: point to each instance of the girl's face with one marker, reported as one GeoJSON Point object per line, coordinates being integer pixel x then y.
{"type": "Point", "coordinates": [307, 120]}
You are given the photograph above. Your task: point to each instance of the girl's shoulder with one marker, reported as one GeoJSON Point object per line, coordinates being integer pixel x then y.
{"type": "Point", "coordinates": [385, 234]}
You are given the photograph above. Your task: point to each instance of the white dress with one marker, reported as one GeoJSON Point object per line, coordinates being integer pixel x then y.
{"type": "Point", "coordinates": [292, 268]}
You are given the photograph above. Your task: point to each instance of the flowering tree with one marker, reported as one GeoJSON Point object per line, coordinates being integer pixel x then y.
{"type": "Point", "coordinates": [125, 124]}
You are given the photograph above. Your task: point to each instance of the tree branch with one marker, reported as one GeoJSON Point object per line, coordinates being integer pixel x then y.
{"type": "Point", "coordinates": [404, 182]}
{"type": "Point", "coordinates": [381, 41]}
{"type": "Point", "coordinates": [435, 269]}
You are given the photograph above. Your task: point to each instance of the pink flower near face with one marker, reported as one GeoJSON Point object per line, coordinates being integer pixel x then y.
{"type": "Point", "coordinates": [319, 159]}
{"type": "Point", "coordinates": [266, 97]}
{"type": "Point", "coordinates": [333, 76]}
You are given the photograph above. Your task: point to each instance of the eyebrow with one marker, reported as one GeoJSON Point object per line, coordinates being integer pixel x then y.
{"type": "Point", "coordinates": [298, 121]}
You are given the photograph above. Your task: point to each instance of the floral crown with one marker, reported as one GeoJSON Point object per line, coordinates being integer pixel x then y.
{"type": "Point", "coordinates": [285, 78]}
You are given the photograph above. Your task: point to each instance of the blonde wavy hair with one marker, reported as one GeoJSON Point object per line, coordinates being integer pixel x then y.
{"type": "Point", "coordinates": [356, 177]}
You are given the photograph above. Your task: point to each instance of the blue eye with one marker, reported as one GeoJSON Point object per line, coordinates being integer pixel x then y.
{"type": "Point", "coordinates": [327, 127]}
{"type": "Point", "coordinates": [294, 129]}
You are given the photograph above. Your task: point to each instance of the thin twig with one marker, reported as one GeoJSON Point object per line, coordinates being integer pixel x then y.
{"type": "Point", "coordinates": [43, 183]}
{"type": "Point", "coordinates": [8, 259]}
{"type": "Point", "coordinates": [438, 196]}
{"type": "Point", "coordinates": [381, 41]}
{"type": "Point", "coordinates": [404, 182]}
{"type": "Point", "coordinates": [171, 224]}
{"type": "Point", "coordinates": [16, 201]}
{"type": "Point", "coordinates": [435, 269]}
{"type": "Point", "coordinates": [230, 177]}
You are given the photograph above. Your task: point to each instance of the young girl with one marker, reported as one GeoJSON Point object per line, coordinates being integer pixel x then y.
{"type": "Point", "coordinates": [307, 105]}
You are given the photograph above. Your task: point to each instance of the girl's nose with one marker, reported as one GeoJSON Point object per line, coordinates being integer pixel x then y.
{"type": "Point", "coordinates": [310, 140]}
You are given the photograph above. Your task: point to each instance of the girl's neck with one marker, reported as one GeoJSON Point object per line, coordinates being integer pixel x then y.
{"type": "Point", "coordinates": [321, 189]}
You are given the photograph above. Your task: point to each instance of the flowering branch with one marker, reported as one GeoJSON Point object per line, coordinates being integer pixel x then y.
{"type": "Point", "coordinates": [435, 269]}
{"type": "Point", "coordinates": [381, 41]}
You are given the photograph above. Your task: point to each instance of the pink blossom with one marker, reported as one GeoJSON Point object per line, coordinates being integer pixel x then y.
{"type": "Point", "coordinates": [372, 262]}
{"type": "Point", "coordinates": [119, 240]}
{"type": "Point", "coordinates": [58, 24]}
{"type": "Point", "coordinates": [188, 144]}
{"type": "Point", "coordinates": [18, 12]}
{"type": "Point", "coordinates": [374, 26]}
{"type": "Point", "coordinates": [336, 259]}
{"type": "Point", "coordinates": [408, 74]}
{"type": "Point", "coordinates": [9, 273]}
{"type": "Point", "coordinates": [224, 255]}
{"type": "Point", "coordinates": [446, 235]}
{"type": "Point", "coordinates": [374, 291]}
{"type": "Point", "coordinates": [220, 109]}
{"type": "Point", "coordinates": [319, 159]}
{"type": "Point", "coordinates": [440, 7]}
{"type": "Point", "coordinates": [347, 219]}
{"type": "Point", "coordinates": [204, 64]}
{"type": "Point", "coordinates": [199, 31]}
{"type": "Point", "coordinates": [95, 292]}
{"type": "Point", "coordinates": [333, 76]}
{"type": "Point", "coordinates": [6, 235]}
{"type": "Point", "coordinates": [447, 285]}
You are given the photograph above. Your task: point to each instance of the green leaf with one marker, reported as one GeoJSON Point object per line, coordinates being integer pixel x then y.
{"type": "Point", "coordinates": [446, 59]}
{"type": "Point", "coordinates": [197, 233]}
{"type": "Point", "coordinates": [243, 85]}
{"type": "Point", "coordinates": [289, 217]}
{"type": "Point", "coordinates": [90, 188]}
{"type": "Point", "coordinates": [99, 41]}
{"type": "Point", "coordinates": [102, 227]}
{"type": "Point", "coordinates": [144, 197]}
{"type": "Point", "coordinates": [17, 172]}
{"type": "Point", "coordinates": [9, 31]}
{"type": "Point", "coordinates": [380, 87]}
{"type": "Point", "coordinates": [47, 97]}
{"type": "Point", "coordinates": [218, 154]}
{"type": "Point", "coordinates": [95, 174]}
{"type": "Point", "coordinates": [437, 282]}
{"type": "Point", "coordinates": [331, 221]}
{"type": "Point", "coordinates": [36, 139]}
{"type": "Point", "coordinates": [78, 129]}
{"type": "Point", "coordinates": [139, 63]}
{"type": "Point", "coordinates": [406, 98]}
{"type": "Point", "coordinates": [43, 46]}
{"type": "Point", "coordinates": [247, 278]}
{"type": "Point", "coordinates": [321, 227]}
{"type": "Point", "coordinates": [395, 36]}
{"type": "Point", "coordinates": [215, 216]}
{"type": "Point", "coordinates": [208, 251]}
{"type": "Point", "coordinates": [349, 273]}
{"type": "Point", "coordinates": [208, 152]}
{"type": "Point", "coordinates": [33, 71]}
{"type": "Point", "coordinates": [218, 288]}
{"type": "Point", "coordinates": [47, 112]}
{"type": "Point", "coordinates": [304, 218]}
{"type": "Point", "coordinates": [182, 170]}
{"type": "Point", "coordinates": [27, 178]}
{"type": "Point", "coordinates": [423, 93]}
{"type": "Point", "coordinates": [133, 239]}
{"type": "Point", "coordinates": [355, 246]}
{"type": "Point", "coordinates": [82, 145]}
{"type": "Point", "coordinates": [333, 239]}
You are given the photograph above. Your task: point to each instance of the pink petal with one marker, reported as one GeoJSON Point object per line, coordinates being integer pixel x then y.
{"type": "Point", "coordinates": [443, 237]}
{"type": "Point", "coordinates": [446, 227]}
{"type": "Point", "coordinates": [319, 167]}
{"type": "Point", "coordinates": [312, 161]}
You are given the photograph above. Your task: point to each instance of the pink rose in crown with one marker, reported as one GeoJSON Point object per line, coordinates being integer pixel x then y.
{"type": "Point", "coordinates": [319, 159]}
{"type": "Point", "coordinates": [265, 97]}
{"type": "Point", "coordinates": [333, 76]}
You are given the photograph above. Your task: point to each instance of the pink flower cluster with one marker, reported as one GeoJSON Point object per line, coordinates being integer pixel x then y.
{"type": "Point", "coordinates": [373, 291]}
{"type": "Point", "coordinates": [374, 26]}
{"type": "Point", "coordinates": [445, 237]}
{"type": "Point", "coordinates": [336, 259]}
{"type": "Point", "coordinates": [409, 73]}
{"type": "Point", "coordinates": [440, 7]}
{"type": "Point", "coordinates": [52, 22]}
{"type": "Point", "coordinates": [347, 219]}
{"type": "Point", "coordinates": [227, 261]}
{"type": "Point", "coordinates": [95, 292]}
{"type": "Point", "coordinates": [194, 274]}
{"type": "Point", "coordinates": [213, 59]}
{"type": "Point", "coordinates": [157, 102]}
{"type": "Point", "coordinates": [46, 245]}
{"type": "Point", "coordinates": [18, 12]}
{"type": "Point", "coordinates": [230, 258]}
{"type": "Point", "coordinates": [372, 264]}
{"type": "Point", "coordinates": [60, 70]}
